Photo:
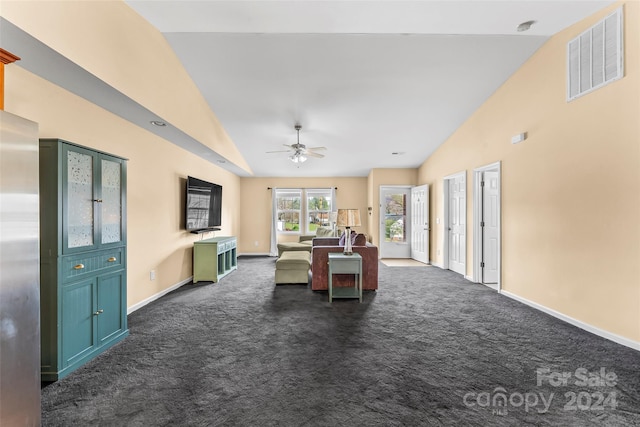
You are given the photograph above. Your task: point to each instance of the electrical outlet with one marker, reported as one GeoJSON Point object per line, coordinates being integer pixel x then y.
{"type": "Point", "coordinates": [152, 275]}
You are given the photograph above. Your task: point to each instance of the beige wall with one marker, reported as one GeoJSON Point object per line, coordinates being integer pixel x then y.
{"type": "Point", "coordinates": [570, 192]}
{"type": "Point", "coordinates": [381, 177]}
{"type": "Point", "coordinates": [255, 233]}
{"type": "Point", "coordinates": [111, 41]}
{"type": "Point", "coordinates": [156, 173]}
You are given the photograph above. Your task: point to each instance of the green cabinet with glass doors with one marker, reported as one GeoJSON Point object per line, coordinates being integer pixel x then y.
{"type": "Point", "coordinates": [83, 276]}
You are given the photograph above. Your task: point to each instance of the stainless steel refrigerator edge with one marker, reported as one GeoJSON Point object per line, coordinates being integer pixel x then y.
{"type": "Point", "coordinates": [19, 272]}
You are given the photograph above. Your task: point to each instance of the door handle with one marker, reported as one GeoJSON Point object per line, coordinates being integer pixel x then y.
{"type": "Point", "coordinates": [99, 312]}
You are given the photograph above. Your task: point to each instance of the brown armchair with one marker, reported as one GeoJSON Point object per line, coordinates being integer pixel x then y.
{"type": "Point", "coordinates": [320, 250]}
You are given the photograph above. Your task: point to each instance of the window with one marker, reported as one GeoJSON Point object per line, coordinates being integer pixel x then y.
{"type": "Point", "coordinates": [294, 216]}
{"type": "Point", "coordinates": [289, 210]}
{"type": "Point", "coordinates": [395, 217]}
{"type": "Point", "coordinates": [594, 58]}
{"type": "Point", "coordinates": [318, 209]}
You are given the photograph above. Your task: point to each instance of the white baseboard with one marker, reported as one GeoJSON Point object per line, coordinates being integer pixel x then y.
{"type": "Point", "coordinates": [158, 295]}
{"type": "Point", "coordinates": [589, 328]}
{"type": "Point", "coordinates": [255, 254]}
{"type": "Point", "coordinates": [435, 264]}
{"type": "Point", "coordinates": [469, 278]}
{"type": "Point", "coordinates": [493, 286]}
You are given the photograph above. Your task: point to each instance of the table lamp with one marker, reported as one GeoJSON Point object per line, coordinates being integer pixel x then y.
{"type": "Point", "coordinates": [348, 218]}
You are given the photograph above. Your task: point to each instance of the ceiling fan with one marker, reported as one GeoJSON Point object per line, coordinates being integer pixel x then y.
{"type": "Point", "coordinates": [299, 152]}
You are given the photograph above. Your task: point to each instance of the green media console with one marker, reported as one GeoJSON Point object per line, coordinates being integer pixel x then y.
{"type": "Point", "coordinates": [214, 258]}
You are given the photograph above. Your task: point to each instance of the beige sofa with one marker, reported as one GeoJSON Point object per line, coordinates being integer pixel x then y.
{"type": "Point", "coordinates": [304, 242]}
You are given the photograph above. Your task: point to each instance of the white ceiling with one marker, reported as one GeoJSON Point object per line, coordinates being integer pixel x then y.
{"type": "Point", "coordinates": [365, 79]}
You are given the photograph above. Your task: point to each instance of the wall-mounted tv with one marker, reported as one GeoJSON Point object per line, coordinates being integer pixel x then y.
{"type": "Point", "coordinates": [203, 207]}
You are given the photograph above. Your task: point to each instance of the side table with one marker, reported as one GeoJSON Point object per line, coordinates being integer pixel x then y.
{"type": "Point", "coordinates": [340, 263]}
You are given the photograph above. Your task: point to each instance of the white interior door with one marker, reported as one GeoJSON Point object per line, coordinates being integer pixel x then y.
{"type": "Point", "coordinates": [457, 223]}
{"type": "Point", "coordinates": [420, 223]}
{"type": "Point", "coordinates": [490, 226]}
{"type": "Point", "coordinates": [394, 222]}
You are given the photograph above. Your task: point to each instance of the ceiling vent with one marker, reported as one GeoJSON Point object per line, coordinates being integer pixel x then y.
{"type": "Point", "coordinates": [594, 58]}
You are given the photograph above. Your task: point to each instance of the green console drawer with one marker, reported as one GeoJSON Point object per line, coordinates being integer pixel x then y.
{"type": "Point", "coordinates": [77, 266]}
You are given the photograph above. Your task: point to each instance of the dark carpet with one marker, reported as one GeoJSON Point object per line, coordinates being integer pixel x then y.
{"type": "Point", "coordinates": [428, 348]}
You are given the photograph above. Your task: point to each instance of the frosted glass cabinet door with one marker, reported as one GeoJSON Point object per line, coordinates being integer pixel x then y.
{"type": "Point", "coordinates": [111, 190]}
{"type": "Point", "coordinates": [79, 200]}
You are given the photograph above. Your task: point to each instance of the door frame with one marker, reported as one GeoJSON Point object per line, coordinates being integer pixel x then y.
{"type": "Point", "coordinates": [477, 217]}
{"type": "Point", "coordinates": [428, 223]}
{"type": "Point", "coordinates": [445, 240]}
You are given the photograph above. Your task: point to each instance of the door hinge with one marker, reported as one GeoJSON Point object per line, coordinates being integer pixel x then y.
{"type": "Point", "coordinates": [482, 264]}
{"type": "Point", "coordinates": [481, 223]}
{"type": "Point", "coordinates": [481, 183]}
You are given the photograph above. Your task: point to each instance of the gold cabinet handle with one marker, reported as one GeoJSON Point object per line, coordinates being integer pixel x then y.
{"type": "Point", "coordinates": [78, 267]}
{"type": "Point", "coordinates": [112, 259]}
{"type": "Point", "coordinates": [99, 312]}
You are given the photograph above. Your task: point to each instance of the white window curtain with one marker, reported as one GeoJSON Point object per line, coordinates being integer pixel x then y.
{"type": "Point", "coordinates": [273, 250]}
{"type": "Point", "coordinates": [334, 202]}
{"type": "Point", "coordinates": [334, 208]}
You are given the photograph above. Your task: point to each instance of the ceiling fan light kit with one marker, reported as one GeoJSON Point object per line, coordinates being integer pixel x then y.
{"type": "Point", "coordinates": [298, 157]}
{"type": "Point", "coordinates": [300, 151]}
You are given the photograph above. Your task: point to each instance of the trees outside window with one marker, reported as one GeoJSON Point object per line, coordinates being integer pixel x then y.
{"type": "Point", "coordinates": [288, 210]}
{"type": "Point", "coordinates": [395, 214]}
{"type": "Point", "coordinates": [318, 209]}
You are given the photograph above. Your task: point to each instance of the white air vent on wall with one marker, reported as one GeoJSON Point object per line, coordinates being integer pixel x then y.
{"type": "Point", "coordinates": [594, 58]}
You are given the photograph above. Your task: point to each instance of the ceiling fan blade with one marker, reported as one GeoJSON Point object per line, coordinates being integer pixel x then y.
{"type": "Point", "coordinates": [290, 148]}
{"type": "Point", "coordinates": [300, 150]}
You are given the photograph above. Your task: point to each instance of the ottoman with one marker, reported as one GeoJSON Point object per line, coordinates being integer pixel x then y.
{"type": "Point", "coordinates": [293, 267]}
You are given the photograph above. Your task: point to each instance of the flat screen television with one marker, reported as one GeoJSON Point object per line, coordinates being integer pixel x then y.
{"type": "Point", "coordinates": [203, 207]}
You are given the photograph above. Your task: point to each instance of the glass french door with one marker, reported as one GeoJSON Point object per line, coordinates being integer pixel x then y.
{"type": "Point", "coordinates": [395, 233]}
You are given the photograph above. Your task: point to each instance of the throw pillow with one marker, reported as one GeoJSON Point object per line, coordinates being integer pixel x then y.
{"type": "Point", "coordinates": [359, 240]}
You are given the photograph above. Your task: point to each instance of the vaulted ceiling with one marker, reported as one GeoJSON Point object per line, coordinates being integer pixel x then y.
{"type": "Point", "coordinates": [380, 84]}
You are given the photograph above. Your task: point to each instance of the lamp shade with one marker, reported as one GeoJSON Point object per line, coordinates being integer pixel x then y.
{"type": "Point", "coordinates": [349, 218]}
